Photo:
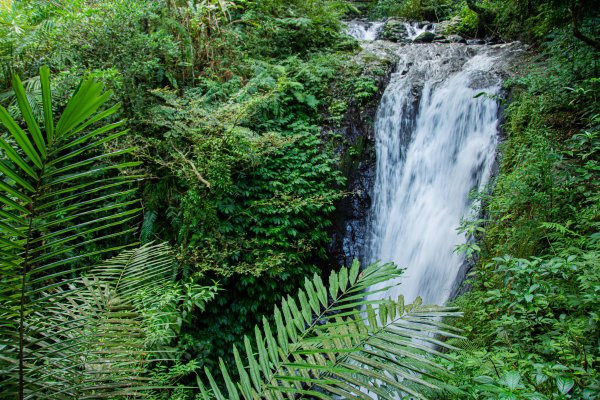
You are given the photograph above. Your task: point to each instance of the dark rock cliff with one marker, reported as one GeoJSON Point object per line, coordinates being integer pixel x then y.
{"type": "Point", "coordinates": [357, 154]}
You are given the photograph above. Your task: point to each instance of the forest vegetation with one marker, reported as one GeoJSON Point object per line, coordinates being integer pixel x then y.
{"type": "Point", "coordinates": [170, 171]}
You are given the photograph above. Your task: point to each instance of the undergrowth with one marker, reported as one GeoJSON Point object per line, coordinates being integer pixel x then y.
{"type": "Point", "coordinates": [532, 315]}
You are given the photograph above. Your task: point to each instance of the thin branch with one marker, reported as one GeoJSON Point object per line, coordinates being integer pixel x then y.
{"type": "Point", "coordinates": [576, 20]}
{"type": "Point", "coordinates": [191, 164]}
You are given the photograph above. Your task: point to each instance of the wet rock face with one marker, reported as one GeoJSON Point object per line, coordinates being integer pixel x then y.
{"type": "Point", "coordinates": [425, 37]}
{"type": "Point", "coordinates": [456, 39]}
{"type": "Point", "coordinates": [350, 237]}
{"type": "Point", "coordinates": [400, 31]}
{"type": "Point", "coordinates": [476, 41]}
{"type": "Point", "coordinates": [349, 230]}
{"type": "Point", "coordinates": [395, 31]}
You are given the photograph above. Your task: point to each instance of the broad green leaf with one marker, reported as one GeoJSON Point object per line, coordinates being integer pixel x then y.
{"type": "Point", "coordinates": [512, 379]}
{"type": "Point", "coordinates": [564, 384]}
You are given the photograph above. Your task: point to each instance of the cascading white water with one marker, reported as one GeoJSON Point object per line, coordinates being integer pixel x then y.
{"type": "Point", "coordinates": [414, 29]}
{"type": "Point", "coordinates": [435, 142]}
{"type": "Point", "coordinates": [363, 30]}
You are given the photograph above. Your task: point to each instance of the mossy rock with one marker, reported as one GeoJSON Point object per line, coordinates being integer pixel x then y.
{"type": "Point", "coordinates": [425, 37]}
{"type": "Point", "coordinates": [449, 26]}
{"type": "Point", "coordinates": [394, 30]}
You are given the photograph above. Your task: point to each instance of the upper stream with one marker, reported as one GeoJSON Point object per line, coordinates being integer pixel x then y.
{"type": "Point", "coordinates": [363, 30]}
{"type": "Point", "coordinates": [436, 133]}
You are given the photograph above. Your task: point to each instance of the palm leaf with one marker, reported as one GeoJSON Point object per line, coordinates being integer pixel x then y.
{"type": "Point", "coordinates": [63, 205]}
{"type": "Point", "coordinates": [32, 91]}
{"type": "Point", "coordinates": [332, 342]}
{"type": "Point", "coordinates": [88, 340]}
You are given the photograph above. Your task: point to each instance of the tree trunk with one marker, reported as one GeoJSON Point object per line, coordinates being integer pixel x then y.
{"type": "Point", "coordinates": [576, 14]}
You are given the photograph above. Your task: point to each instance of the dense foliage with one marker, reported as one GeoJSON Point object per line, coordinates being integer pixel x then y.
{"type": "Point", "coordinates": [532, 312]}
{"type": "Point", "coordinates": [228, 106]}
{"type": "Point", "coordinates": [430, 10]}
{"type": "Point", "coordinates": [224, 102]}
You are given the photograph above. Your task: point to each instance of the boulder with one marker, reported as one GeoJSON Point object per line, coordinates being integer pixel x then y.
{"type": "Point", "coordinates": [425, 37]}
{"type": "Point", "coordinates": [457, 39]}
{"type": "Point", "coordinates": [394, 31]}
{"type": "Point", "coordinates": [475, 41]}
{"type": "Point", "coordinates": [493, 40]}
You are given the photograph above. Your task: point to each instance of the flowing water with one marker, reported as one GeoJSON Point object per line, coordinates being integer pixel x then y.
{"type": "Point", "coordinates": [435, 143]}
{"type": "Point", "coordinates": [370, 30]}
{"type": "Point", "coordinates": [414, 29]}
{"type": "Point", "coordinates": [363, 30]}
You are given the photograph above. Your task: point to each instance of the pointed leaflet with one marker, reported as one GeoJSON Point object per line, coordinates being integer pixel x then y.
{"type": "Point", "coordinates": [17, 160]}
{"type": "Point", "coordinates": [47, 103]}
{"type": "Point", "coordinates": [27, 114]}
{"type": "Point", "coordinates": [340, 354]}
{"type": "Point", "coordinates": [21, 138]}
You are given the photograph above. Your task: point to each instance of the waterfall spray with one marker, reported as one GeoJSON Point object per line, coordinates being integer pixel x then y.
{"type": "Point", "coordinates": [436, 142]}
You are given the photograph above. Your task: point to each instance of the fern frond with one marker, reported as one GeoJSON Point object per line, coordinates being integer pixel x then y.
{"type": "Point", "coordinates": [62, 198]}
{"type": "Point", "coordinates": [148, 226]}
{"type": "Point", "coordinates": [334, 342]}
{"type": "Point", "coordinates": [88, 339]}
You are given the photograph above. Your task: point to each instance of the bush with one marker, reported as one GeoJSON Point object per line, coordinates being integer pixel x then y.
{"type": "Point", "coordinates": [531, 315]}
{"type": "Point", "coordinates": [416, 10]}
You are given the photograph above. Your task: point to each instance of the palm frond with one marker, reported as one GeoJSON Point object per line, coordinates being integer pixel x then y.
{"type": "Point", "coordinates": [61, 198]}
{"type": "Point", "coordinates": [33, 92]}
{"type": "Point", "coordinates": [334, 342]}
{"type": "Point", "coordinates": [88, 339]}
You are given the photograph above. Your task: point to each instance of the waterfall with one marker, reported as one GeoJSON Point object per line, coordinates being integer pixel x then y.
{"type": "Point", "coordinates": [435, 143]}
{"type": "Point", "coordinates": [414, 29]}
{"type": "Point", "coordinates": [363, 30]}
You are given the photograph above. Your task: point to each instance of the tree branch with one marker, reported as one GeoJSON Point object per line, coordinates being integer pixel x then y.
{"type": "Point", "coordinates": [576, 20]}
{"type": "Point", "coordinates": [191, 164]}
{"type": "Point", "coordinates": [475, 8]}
{"type": "Point", "coordinates": [485, 16]}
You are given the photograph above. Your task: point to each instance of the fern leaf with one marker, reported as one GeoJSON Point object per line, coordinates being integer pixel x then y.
{"type": "Point", "coordinates": [61, 199]}
{"type": "Point", "coordinates": [348, 348]}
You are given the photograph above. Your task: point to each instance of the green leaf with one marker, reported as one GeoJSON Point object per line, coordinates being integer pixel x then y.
{"type": "Point", "coordinates": [338, 353]}
{"type": "Point", "coordinates": [564, 384]}
{"type": "Point", "coordinates": [354, 270]}
{"type": "Point", "coordinates": [512, 379]}
{"type": "Point", "coordinates": [17, 160]}
{"type": "Point", "coordinates": [20, 137]}
{"type": "Point", "coordinates": [528, 298]}
{"type": "Point", "coordinates": [486, 380]}
{"type": "Point", "coordinates": [27, 114]}
{"type": "Point", "coordinates": [47, 103]}
{"type": "Point", "coordinates": [60, 327]}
